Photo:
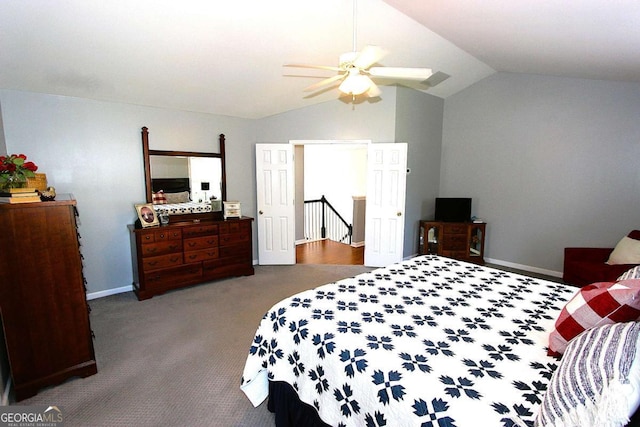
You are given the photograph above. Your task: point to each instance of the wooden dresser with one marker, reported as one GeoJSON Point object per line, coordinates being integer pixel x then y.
{"type": "Point", "coordinates": [186, 253]}
{"type": "Point", "coordinates": [459, 240]}
{"type": "Point", "coordinates": [42, 295]}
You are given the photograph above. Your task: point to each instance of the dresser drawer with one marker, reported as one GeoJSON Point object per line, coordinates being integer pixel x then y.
{"type": "Point", "coordinates": [161, 248]}
{"type": "Point", "coordinates": [455, 228]}
{"type": "Point", "coordinates": [230, 239]}
{"type": "Point", "coordinates": [162, 261]}
{"type": "Point", "coordinates": [235, 227]}
{"type": "Point", "coordinates": [212, 264]}
{"type": "Point", "coordinates": [454, 242]}
{"type": "Point", "coordinates": [235, 250]}
{"type": "Point", "coordinates": [168, 234]}
{"type": "Point", "coordinates": [160, 235]}
{"type": "Point", "coordinates": [230, 267]}
{"type": "Point", "coordinates": [173, 276]}
{"type": "Point", "coordinates": [200, 243]}
{"type": "Point", "coordinates": [200, 230]}
{"type": "Point", "coordinates": [201, 255]}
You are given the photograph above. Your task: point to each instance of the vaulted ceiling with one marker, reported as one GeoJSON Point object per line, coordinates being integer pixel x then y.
{"type": "Point", "coordinates": [226, 57]}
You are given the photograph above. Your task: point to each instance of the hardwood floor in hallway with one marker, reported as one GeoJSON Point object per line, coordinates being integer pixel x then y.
{"type": "Point", "coordinates": [329, 252]}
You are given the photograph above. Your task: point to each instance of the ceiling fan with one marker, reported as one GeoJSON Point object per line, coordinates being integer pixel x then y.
{"type": "Point", "coordinates": [356, 71]}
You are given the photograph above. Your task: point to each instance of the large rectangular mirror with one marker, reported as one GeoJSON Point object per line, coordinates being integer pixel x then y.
{"type": "Point", "coordinates": [201, 174]}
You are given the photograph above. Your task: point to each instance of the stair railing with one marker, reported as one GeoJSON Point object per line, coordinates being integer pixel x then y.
{"type": "Point", "coordinates": [322, 221]}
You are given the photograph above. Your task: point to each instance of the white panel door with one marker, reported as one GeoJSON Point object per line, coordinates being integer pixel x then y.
{"type": "Point", "coordinates": [384, 217]}
{"type": "Point", "coordinates": [275, 202]}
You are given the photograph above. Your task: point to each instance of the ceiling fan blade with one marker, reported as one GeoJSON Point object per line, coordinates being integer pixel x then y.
{"type": "Point", "coordinates": [324, 82]}
{"type": "Point", "coordinates": [400, 73]}
{"type": "Point", "coordinates": [436, 78]}
{"type": "Point", "coordinates": [317, 67]}
{"type": "Point", "coordinates": [369, 56]}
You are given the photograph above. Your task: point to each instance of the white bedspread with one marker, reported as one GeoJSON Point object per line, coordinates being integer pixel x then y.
{"type": "Point", "coordinates": [426, 342]}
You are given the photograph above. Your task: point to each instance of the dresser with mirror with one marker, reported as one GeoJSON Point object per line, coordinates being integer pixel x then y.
{"type": "Point", "coordinates": [197, 244]}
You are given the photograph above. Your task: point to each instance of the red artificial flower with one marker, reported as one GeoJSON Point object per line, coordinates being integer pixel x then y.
{"type": "Point", "coordinates": [31, 166]}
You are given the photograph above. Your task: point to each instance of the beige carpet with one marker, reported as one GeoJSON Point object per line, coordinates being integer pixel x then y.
{"type": "Point", "coordinates": [177, 358]}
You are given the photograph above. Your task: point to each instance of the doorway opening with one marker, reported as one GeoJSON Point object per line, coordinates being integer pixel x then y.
{"type": "Point", "coordinates": [336, 170]}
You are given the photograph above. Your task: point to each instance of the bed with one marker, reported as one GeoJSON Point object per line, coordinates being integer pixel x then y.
{"type": "Point", "coordinates": [429, 341]}
{"type": "Point", "coordinates": [172, 196]}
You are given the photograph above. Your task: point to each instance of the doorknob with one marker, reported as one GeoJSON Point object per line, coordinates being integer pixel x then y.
{"type": "Point", "coordinates": [399, 214]}
{"type": "Point", "coordinates": [260, 212]}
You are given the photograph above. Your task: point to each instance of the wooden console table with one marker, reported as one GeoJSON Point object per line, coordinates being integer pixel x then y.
{"type": "Point", "coordinates": [459, 240]}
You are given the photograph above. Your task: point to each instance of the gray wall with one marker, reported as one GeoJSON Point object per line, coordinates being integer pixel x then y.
{"type": "Point", "coordinates": [4, 365]}
{"type": "Point", "coordinates": [550, 162]}
{"type": "Point", "coordinates": [299, 191]}
{"type": "Point", "coordinates": [333, 120]}
{"type": "Point", "coordinates": [419, 123]}
{"type": "Point", "coordinates": [93, 150]}
{"type": "Point", "coordinates": [3, 145]}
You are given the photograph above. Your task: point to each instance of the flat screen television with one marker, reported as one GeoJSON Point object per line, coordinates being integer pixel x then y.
{"type": "Point", "coordinates": [453, 209]}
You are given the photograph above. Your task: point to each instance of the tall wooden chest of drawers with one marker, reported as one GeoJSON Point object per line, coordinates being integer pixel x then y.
{"type": "Point", "coordinates": [187, 253]}
{"type": "Point", "coordinates": [42, 295]}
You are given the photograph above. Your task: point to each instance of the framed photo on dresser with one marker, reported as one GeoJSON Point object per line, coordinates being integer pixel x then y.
{"type": "Point", "coordinates": [147, 215]}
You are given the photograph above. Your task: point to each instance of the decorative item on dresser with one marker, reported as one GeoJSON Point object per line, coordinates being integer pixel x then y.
{"type": "Point", "coordinates": [42, 295]}
{"type": "Point", "coordinates": [459, 240]}
{"type": "Point", "coordinates": [188, 253]}
{"type": "Point", "coordinates": [232, 209]}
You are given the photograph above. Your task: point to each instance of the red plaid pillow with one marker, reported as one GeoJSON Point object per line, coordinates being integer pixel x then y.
{"type": "Point", "coordinates": [594, 305]}
{"type": "Point", "coordinates": [159, 198]}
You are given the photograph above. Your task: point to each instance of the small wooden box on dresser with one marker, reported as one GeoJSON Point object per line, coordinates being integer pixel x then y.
{"type": "Point", "coordinates": [187, 253]}
{"type": "Point", "coordinates": [459, 240]}
{"type": "Point", "coordinates": [42, 295]}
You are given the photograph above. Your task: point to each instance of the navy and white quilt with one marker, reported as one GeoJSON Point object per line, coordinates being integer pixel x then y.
{"type": "Point", "coordinates": [426, 342]}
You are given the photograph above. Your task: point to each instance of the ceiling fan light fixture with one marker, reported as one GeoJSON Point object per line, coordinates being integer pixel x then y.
{"type": "Point", "coordinates": [355, 84]}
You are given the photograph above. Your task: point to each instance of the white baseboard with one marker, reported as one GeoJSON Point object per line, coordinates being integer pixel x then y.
{"type": "Point", "coordinates": [101, 294]}
{"type": "Point", "coordinates": [357, 244]}
{"type": "Point", "coordinates": [524, 267]}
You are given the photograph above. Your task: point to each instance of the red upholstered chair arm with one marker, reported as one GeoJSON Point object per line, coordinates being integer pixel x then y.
{"type": "Point", "coordinates": [587, 254]}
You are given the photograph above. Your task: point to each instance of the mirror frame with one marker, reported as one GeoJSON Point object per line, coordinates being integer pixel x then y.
{"type": "Point", "coordinates": [146, 152]}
